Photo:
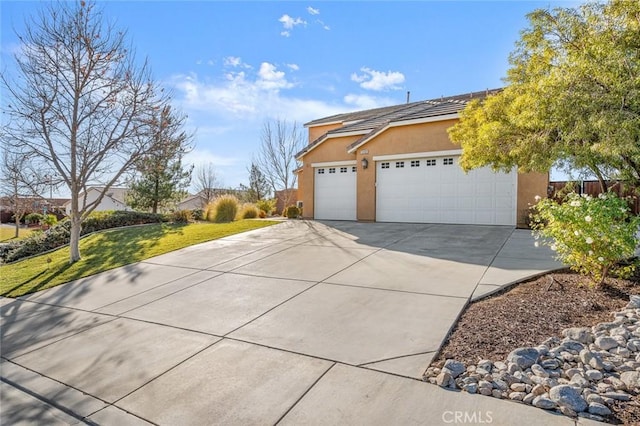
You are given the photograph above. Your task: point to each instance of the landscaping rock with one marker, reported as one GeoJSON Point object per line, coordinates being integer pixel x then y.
{"type": "Point", "coordinates": [443, 379]}
{"type": "Point", "coordinates": [455, 368]}
{"type": "Point", "coordinates": [524, 357]}
{"type": "Point", "coordinates": [568, 396]}
{"type": "Point", "coordinates": [517, 396]}
{"type": "Point", "coordinates": [544, 403]}
{"type": "Point", "coordinates": [579, 334]}
{"type": "Point", "coordinates": [606, 342]}
{"type": "Point", "coordinates": [634, 302]}
{"type": "Point", "coordinates": [631, 379]}
{"type": "Point", "coordinates": [593, 375]}
{"type": "Point", "coordinates": [518, 387]}
{"type": "Point", "coordinates": [539, 371]}
{"type": "Point", "coordinates": [599, 409]}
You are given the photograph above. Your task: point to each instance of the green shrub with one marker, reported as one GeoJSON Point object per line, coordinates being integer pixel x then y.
{"type": "Point", "coordinates": [181, 216]}
{"type": "Point", "coordinates": [248, 211]}
{"type": "Point", "coordinates": [292, 212]}
{"type": "Point", "coordinates": [267, 206]}
{"type": "Point", "coordinates": [49, 220]}
{"type": "Point", "coordinates": [59, 234]}
{"type": "Point", "coordinates": [223, 209]}
{"type": "Point", "coordinates": [591, 235]}
{"type": "Point", "coordinates": [33, 218]}
{"type": "Point", "coordinates": [197, 214]}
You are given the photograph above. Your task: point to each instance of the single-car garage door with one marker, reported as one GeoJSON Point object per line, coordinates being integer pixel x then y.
{"type": "Point", "coordinates": [335, 192]}
{"type": "Point", "coordinates": [436, 190]}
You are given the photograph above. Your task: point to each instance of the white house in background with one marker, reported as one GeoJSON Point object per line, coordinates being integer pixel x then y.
{"type": "Point", "coordinates": [193, 202]}
{"type": "Point", "coordinates": [114, 199]}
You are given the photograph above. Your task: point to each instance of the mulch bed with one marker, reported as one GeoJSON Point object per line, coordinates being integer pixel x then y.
{"type": "Point", "coordinates": [533, 311]}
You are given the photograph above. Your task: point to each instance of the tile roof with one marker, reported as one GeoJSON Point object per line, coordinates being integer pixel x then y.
{"type": "Point", "coordinates": [371, 121]}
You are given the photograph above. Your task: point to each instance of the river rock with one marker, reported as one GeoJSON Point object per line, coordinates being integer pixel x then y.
{"type": "Point", "coordinates": [568, 396]}
{"type": "Point", "coordinates": [524, 357]}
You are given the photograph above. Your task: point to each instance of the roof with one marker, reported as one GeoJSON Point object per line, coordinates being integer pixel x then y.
{"type": "Point", "coordinates": [371, 122]}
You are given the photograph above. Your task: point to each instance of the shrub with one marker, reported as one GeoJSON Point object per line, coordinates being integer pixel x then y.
{"type": "Point", "coordinates": [49, 220]}
{"type": "Point", "coordinates": [197, 214]}
{"type": "Point", "coordinates": [181, 216]}
{"type": "Point", "coordinates": [33, 218]}
{"type": "Point", "coordinates": [59, 234]}
{"type": "Point", "coordinates": [591, 235]}
{"type": "Point", "coordinates": [267, 206]}
{"type": "Point", "coordinates": [292, 212]}
{"type": "Point", "coordinates": [223, 209]}
{"type": "Point", "coordinates": [262, 214]}
{"type": "Point", "coordinates": [248, 211]}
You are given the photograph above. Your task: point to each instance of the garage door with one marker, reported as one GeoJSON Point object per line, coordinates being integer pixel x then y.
{"type": "Point", "coordinates": [335, 193]}
{"type": "Point", "coordinates": [436, 190]}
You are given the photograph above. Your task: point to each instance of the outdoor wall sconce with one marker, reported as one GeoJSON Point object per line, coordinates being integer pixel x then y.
{"type": "Point", "coordinates": [365, 163]}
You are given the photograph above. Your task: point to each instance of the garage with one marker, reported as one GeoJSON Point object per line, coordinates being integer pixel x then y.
{"type": "Point", "coordinates": [335, 191]}
{"type": "Point", "coordinates": [435, 190]}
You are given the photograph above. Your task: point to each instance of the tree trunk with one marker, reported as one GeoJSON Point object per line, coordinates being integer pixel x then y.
{"type": "Point", "coordinates": [74, 243]}
{"type": "Point", "coordinates": [17, 225]}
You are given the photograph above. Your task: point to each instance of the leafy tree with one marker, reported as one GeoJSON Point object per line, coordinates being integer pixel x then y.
{"type": "Point", "coordinates": [81, 104]}
{"type": "Point", "coordinates": [573, 97]}
{"type": "Point", "coordinates": [160, 178]}
{"type": "Point", "coordinates": [276, 159]}
{"type": "Point", "coordinates": [207, 183]}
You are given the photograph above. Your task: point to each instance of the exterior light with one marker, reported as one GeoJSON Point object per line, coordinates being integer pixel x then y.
{"type": "Point", "coordinates": [365, 163]}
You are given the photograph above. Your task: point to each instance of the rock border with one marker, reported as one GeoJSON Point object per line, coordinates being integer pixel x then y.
{"type": "Point", "coordinates": [579, 375]}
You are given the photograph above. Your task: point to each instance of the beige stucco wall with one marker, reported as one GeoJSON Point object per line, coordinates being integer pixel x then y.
{"type": "Point", "coordinates": [333, 149]}
{"type": "Point", "coordinates": [425, 137]}
{"type": "Point", "coordinates": [316, 131]}
{"type": "Point", "coordinates": [529, 185]}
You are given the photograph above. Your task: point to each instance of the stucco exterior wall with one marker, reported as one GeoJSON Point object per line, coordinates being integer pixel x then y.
{"type": "Point", "coordinates": [415, 138]}
{"type": "Point", "coordinates": [333, 149]}
{"type": "Point", "coordinates": [529, 185]}
{"type": "Point", "coordinates": [316, 131]}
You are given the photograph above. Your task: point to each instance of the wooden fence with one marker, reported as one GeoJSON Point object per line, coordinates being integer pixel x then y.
{"type": "Point", "coordinates": [592, 187]}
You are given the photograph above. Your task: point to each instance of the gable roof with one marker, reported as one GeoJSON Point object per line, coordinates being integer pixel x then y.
{"type": "Point", "coordinates": [372, 122]}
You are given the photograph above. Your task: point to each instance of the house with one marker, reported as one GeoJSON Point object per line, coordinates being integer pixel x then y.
{"type": "Point", "coordinates": [114, 199]}
{"type": "Point", "coordinates": [31, 205]}
{"type": "Point", "coordinates": [285, 198]}
{"type": "Point", "coordinates": [200, 200]}
{"type": "Point", "coordinates": [397, 164]}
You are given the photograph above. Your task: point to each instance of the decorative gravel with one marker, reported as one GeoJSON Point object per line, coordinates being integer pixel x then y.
{"type": "Point", "coordinates": [552, 343]}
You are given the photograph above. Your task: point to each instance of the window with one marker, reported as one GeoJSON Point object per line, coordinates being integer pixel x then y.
{"type": "Point", "coordinates": [320, 171]}
{"type": "Point", "coordinates": [431, 162]}
{"type": "Point", "coordinates": [332, 169]}
{"type": "Point", "coordinates": [354, 169]}
{"type": "Point", "coordinates": [399, 164]}
{"type": "Point", "coordinates": [447, 161]}
{"type": "Point", "coordinates": [343, 170]}
{"type": "Point", "coordinates": [415, 163]}
{"type": "Point", "coordinates": [384, 165]}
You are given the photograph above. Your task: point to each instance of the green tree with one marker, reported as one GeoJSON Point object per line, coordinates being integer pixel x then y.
{"type": "Point", "coordinates": [79, 104]}
{"type": "Point", "coordinates": [259, 186]}
{"type": "Point", "coordinates": [160, 178]}
{"type": "Point", "coordinates": [572, 97]}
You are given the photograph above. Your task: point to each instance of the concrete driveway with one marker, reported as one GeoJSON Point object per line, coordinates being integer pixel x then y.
{"type": "Point", "coordinates": [299, 323]}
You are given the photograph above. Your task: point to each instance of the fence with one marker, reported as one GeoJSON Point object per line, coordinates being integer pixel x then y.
{"type": "Point", "coordinates": [592, 187]}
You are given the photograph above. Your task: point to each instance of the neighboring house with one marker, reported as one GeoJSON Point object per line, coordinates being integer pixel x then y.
{"type": "Point", "coordinates": [114, 199]}
{"type": "Point", "coordinates": [285, 198]}
{"type": "Point", "coordinates": [31, 205]}
{"type": "Point", "coordinates": [397, 164]}
{"type": "Point", "coordinates": [199, 200]}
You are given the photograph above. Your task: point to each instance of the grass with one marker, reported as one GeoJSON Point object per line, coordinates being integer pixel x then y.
{"type": "Point", "coordinates": [8, 234]}
{"type": "Point", "coordinates": [110, 249]}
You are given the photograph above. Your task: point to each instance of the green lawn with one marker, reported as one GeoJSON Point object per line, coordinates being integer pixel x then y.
{"type": "Point", "coordinates": [7, 234]}
{"type": "Point", "coordinates": [111, 249]}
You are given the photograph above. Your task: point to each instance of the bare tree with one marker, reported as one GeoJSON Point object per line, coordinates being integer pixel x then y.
{"type": "Point", "coordinates": [280, 141]}
{"type": "Point", "coordinates": [81, 104]}
{"type": "Point", "coordinates": [206, 182]}
{"type": "Point", "coordinates": [21, 185]}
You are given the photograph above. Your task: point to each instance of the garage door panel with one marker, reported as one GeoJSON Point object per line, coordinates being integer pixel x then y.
{"type": "Point", "coordinates": [443, 193]}
{"type": "Point", "coordinates": [335, 193]}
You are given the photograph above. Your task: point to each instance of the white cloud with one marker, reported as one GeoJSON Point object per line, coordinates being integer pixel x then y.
{"type": "Point", "coordinates": [324, 26]}
{"type": "Point", "coordinates": [232, 61]}
{"type": "Point", "coordinates": [293, 67]}
{"type": "Point", "coordinates": [285, 33]}
{"type": "Point", "coordinates": [378, 80]}
{"type": "Point", "coordinates": [289, 23]}
{"type": "Point", "coordinates": [270, 78]}
{"type": "Point", "coordinates": [313, 11]}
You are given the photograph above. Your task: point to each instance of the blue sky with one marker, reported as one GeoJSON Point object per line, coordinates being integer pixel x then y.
{"type": "Point", "coordinates": [233, 65]}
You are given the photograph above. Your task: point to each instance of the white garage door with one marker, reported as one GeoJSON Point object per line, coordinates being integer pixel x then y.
{"type": "Point", "coordinates": [436, 190]}
{"type": "Point", "coordinates": [335, 193]}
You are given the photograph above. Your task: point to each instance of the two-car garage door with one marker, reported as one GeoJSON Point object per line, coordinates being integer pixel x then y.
{"type": "Point", "coordinates": [436, 190]}
{"type": "Point", "coordinates": [421, 190]}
